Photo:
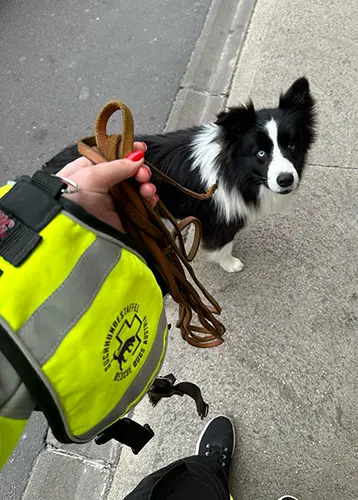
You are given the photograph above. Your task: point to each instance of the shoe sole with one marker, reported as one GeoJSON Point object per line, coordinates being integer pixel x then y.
{"type": "Point", "coordinates": [234, 437]}
{"type": "Point", "coordinates": [288, 497]}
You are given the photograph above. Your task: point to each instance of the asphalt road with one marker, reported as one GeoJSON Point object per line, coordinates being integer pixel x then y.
{"type": "Point", "coordinates": [61, 61]}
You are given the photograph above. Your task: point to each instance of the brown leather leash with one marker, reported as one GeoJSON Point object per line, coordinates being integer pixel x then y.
{"type": "Point", "coordinates": [150, 235]}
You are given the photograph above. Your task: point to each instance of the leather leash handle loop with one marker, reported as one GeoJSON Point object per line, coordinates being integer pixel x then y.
{"type": "Point", "coordinates": [126, 139]}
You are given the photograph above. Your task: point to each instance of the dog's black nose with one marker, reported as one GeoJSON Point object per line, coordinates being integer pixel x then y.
{"type": "Point", "coordinates": [285, 180]}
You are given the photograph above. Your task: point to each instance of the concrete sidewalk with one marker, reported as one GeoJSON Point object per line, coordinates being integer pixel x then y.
{"type": "Point", "coordinates": [287, 372]}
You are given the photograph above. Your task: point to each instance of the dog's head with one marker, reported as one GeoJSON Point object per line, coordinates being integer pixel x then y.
{"type": "Point", "coordinates": [269, 146]}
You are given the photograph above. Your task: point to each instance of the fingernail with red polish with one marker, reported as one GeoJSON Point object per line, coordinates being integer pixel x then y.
{"type": "Point", "coordinates": [147, 169]}
{"type": "Point", "coordinates": [135, 156]}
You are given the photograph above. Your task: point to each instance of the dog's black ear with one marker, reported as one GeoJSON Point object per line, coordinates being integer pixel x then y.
{"type": "Point", "coordinates": [298, 96]}
{"type": "Point", "coordinates": [237, 121]}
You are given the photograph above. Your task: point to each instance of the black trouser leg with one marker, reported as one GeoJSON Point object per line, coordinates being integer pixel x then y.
{"type": "Point", "coordinates": [192, 478]}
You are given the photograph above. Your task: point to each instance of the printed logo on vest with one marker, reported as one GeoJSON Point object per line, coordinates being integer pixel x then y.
{"type": "Point", "coordinates": [126, 343]}
{"type": "Point", "coordinates": [5, 224]}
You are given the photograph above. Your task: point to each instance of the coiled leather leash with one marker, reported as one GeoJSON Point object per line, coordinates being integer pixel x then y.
{"type": "Point", "coordinates": [150, 235]}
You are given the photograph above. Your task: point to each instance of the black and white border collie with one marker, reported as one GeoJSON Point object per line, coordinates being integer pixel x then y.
{"type": "Point", "coordinates": [256, 158]}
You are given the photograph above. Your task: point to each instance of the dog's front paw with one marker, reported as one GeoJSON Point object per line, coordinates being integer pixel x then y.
{"type": "Point", "coordinates": [232, 265]}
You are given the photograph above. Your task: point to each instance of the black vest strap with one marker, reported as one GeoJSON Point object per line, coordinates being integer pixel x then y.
{"type": "Point", "coordinates": [24, 211]}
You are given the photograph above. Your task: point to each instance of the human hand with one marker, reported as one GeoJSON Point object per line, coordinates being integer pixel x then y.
{"type": "Point", "coordinates": [95, 181]}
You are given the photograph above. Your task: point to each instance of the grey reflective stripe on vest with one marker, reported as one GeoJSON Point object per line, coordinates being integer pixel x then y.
{"type": "Point", "coordinates": [63, 309]}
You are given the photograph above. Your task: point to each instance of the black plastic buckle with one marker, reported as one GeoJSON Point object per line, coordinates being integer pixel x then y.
{"type": "Point", "coordinates": [163, 387]}
{"type": "Point", "coordinates": [127, 432]}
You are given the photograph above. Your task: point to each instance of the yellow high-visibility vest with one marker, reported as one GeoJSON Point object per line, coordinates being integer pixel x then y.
{"type": "Point", "coordinates": [82, 322]}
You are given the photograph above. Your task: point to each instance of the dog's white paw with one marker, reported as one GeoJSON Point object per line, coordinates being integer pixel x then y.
{"type": "Point", "coordinates": [232, 265]}
{"type": "Point", "coordinates": [225, 259]}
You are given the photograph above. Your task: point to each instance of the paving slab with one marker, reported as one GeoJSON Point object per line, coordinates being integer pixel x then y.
{"type": "Point", "coordinates": [15, 473]}
{"type": "Point", "coordinates": [319, 39]}
{"type": "Point", "coordinates": [59, 477]}
{"type": "Point", "coordinates": [287, 371]}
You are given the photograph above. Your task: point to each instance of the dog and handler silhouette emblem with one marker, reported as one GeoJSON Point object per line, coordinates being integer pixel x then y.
{"type": "Point", "coordinates": [126, 342]}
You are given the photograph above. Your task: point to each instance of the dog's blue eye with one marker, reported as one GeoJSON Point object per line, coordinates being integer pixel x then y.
{"type": "Point", "coordinates": [261, 153]}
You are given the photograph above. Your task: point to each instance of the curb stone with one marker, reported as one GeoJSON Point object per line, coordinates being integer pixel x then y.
{"type": "Point", "coordinates": [58, 475]}
{"type": "Point", "coordinates": [207, 82]}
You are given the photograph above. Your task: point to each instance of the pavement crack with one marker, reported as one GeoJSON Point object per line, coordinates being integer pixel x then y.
{"type": "Point", "coordinates": [204, 92]}
{"type": "Point", "coordinates": [98, 464]}
{"type": "Point", "coordinates": [340, 167]}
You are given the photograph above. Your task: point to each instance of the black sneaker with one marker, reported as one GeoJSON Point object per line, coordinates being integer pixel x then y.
{"type": "Point", "coordinates": [287, 497]}
{"type": "Point", "coordinates": [217, 441]}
